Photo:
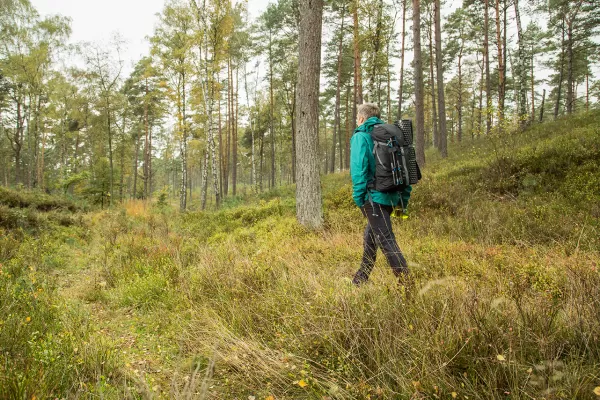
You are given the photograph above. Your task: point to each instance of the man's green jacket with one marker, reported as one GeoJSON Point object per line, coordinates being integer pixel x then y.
{"type": "Point", "coordinates": [362, 169]}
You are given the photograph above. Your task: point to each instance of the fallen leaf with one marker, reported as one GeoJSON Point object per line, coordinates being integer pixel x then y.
{"type": "Point", "coordinates": [270, 398]}
{"type": "Point", "coordinates": [454, 395]}
{"type": "Point", "coordinates": [530, 370]}
{"type": "Point", "coordinates": [500, 357]}
{"type": "Point", "coordinates": [597, 391]}
{"type": "Point", "coordinates": [302, 383]}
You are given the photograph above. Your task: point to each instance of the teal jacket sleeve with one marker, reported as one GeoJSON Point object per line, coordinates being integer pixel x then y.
{"type": "Point", "coordinates": [405, 196]}
{"type": "Point", "coordinates": [359, 168]}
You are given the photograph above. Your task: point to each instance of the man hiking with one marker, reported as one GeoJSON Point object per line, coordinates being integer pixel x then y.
{"type": "Point", "coordinates": [376, 206]}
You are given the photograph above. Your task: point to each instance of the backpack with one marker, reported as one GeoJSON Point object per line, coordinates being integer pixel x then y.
{"type": "Point", "coordinates": [395, 157]}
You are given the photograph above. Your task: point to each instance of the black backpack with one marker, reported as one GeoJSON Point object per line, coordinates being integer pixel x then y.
{"type": "Point", "coordinates": [395, 157]}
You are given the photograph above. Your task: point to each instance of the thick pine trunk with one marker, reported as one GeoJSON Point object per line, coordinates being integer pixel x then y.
{"type": "Point", "coordinates": [308, 190]}
{"type": "Point", "coordinates": [418, 73]}
{"type": "Point", "coordinates": [440, 81]}
{"type": "Point", "coordinates": [542, 106]}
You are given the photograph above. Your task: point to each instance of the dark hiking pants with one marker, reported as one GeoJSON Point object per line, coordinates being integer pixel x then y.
{"type": "Point", "coordinates": [379, 234]}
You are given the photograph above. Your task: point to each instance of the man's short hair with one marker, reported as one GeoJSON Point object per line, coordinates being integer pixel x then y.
{"type": "Point", "coordinates": [368, 110]}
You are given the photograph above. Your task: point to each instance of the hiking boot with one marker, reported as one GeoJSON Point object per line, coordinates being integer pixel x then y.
{"type": "Point", "coordinates": [360, 278]}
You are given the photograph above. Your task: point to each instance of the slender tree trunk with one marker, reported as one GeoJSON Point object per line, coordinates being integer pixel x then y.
{"type": "Point", "coordinates": [135, 164]}
{"type": "Point", "coordinates": [532, 87]}
{"type": "Point", "coordinates": [434, 118]}
{"type": "Point", "coordinates": [460, 92]}
{"type": "Point", "coordinates": [308, 192]}
{"type": "Point", "coordinates": [542, 106]}
{"type": "Point", "coordinates": [488, 83]}
{"type": "Point", "coordinates": [480, 122]}
{"type": "Point", "coordinates": [349, 125]}
{"type": "Point", "coordinates": [146, 145]}
{"type": "Point", "coordinates": [560, 77]}
{"type": "Point", "coordinates": [570, 98]}
{"type": "Point", "coordinates": [473, 112]}
{"type": "Point", "coordinates": [418, 67]}
{"type": "Point", "coordinates": [271, 117]}
{"type": "Point", "coordinates": [500, 67]}
{"type": "Point", "coordinates": [520, 66]}
{"type": "Point", "coordinates": [110, 151]}
{"type": "Point", "coordinates": [400, 90]}
{"type": "Point", "coordinates": [336, 125]}
{"type": "Point", "coordinates": [204, 184]}
{"type": "Point", "coordinates": [235, 133]}
{"type": "Point", "coordinates": [183, 148]}
{"type": "Point", "coordinates": [440, 80]}
{"type": "Point", "coordinates": [358, 95]}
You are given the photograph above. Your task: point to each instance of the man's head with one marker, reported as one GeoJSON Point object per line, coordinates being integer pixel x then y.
{"type": "Point", "coordinates": [366, 111]}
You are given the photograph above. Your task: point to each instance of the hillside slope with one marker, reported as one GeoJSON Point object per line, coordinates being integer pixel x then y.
{"type": "Point", "coordinates": [244, 303]}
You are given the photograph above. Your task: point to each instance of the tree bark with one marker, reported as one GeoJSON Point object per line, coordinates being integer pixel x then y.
{"type": "Point", "coordinates": [434, 118]}
{"type": "Point", "coordinates": [560, 77]}
{"type": "Point", "coordinates": [542, 106]}
{"type": "Point", "coordinates": [358, 95]}
{"type": "Point", "coordinates": [308, 193]}
{"type": "Point", "coordinates": [418, 67]}
{"type": "Point", "coordinates": [440, 81]}
{"type": "Point", "coordinates": [336, 125]}
{"type": "Point", "coordinates": [400, 90]}
{"type": "Point", "coordinates": [500, 67]}
{"type": "Point", "coordinates": [488, 84]}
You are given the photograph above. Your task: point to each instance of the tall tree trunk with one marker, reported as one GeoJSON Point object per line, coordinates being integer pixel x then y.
{"type": "Point", "coordinates": [570, 98]}
{"type": "Point", "coordinates": [349, 125]}
{"type": "Point", "coordinates": [560, 77]}
{"type": "Point", "coordinates": [204, 184]}
{"type": "Point", "coordinates": [183, 149]}
{"type": "Point", "coordinates": [220, 150]}
{"type": "Point", "coordinates": [440, 80]}
{"type": "Point", "coordinates": [532, 87]}
{"type": "Point", "coordinates": [480, 114]}
{"type": "Point", "coordinates": [110, 151]}
{"type": "Point", "coordinates": [520, 77]}
{"type": "Point", "coordinates": [146, 144]}
{"type": "Point", "coordinates": [294, 130]}
{"type": "Point", "coordinates": [500, 67]}
{"type": "Point", "coordinates": [400, 90]}
{"type": "Point", "coordinates": [460, 91]}
{"type": "Point", "coordinates": [434, 118]}
{"type": "Point", "coordinates": [336, 124]}
{"type": "Point", "coordinates": [271, 117]}
{"type": "Point", "coordinates": [418, 67]}
{"type": "Point", "coordinates": [135, 164]}
{"type": "Point", "coordinates": [235, 132]}
{"type": "Point", "coordinates": [358, 95]}
{"type": "Point", "coordinates": [308, 191]}
{"type": "Point", "coordinates": [542, 106]}
{"type": "Point", "coordinates": [488, 83]}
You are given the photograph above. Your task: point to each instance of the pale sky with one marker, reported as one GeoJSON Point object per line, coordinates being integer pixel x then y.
{"type": "Point", "coordinates": [98, 21]}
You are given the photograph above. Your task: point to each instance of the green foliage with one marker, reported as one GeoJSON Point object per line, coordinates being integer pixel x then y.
{"type": "Point", "coordinates": [247, 303]}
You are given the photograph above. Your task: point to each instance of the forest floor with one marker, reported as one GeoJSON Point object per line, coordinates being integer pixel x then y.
{"type": "Point", "coordinates": [140, 301]}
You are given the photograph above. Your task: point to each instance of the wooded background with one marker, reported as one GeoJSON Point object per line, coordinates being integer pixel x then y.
{"type": "Point", "coordinates": [211, 111]}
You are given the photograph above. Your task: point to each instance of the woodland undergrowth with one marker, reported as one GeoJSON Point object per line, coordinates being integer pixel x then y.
{"type": "Point", "coordinates": [141, 301]}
